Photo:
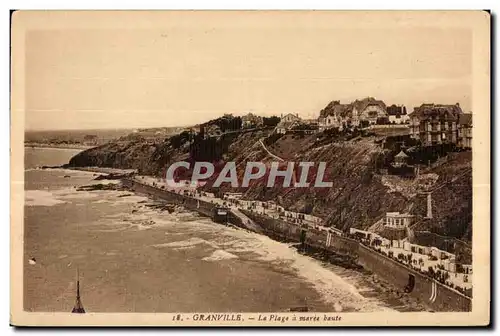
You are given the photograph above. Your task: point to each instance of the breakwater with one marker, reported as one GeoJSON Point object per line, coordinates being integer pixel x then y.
{"type": "Point", "coordinates": [428, 291]}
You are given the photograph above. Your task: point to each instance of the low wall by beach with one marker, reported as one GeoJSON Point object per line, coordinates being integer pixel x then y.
{"type": "Point", "coordinates": [275, 228]}
{"type": "Point", "coordinates": [202, 207]}
{"type": "Point", "coordinates": [429, 291]}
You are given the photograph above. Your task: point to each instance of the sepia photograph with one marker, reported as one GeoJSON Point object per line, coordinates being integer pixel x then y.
{"type": "Point", "coordinates": [250, 168]}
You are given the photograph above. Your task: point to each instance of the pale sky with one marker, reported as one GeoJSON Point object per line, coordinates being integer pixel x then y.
{"type": "Point", "coordinates": [187, 74]}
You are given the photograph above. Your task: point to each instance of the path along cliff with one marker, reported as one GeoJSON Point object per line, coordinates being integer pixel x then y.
{"type": "Point", "coordinates": [361, 192]}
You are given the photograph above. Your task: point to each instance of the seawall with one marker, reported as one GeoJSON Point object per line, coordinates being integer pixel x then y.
{"type": "Point", "coordinates": [429, 291]}
{"type": "Point", "coordinates": [202, 207]}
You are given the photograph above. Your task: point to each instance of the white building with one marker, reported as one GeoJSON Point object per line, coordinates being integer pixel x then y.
{"type": "Point", "coordinates": [251, 120]}
{"type": "Point", "coordinates": [396, 220]}
{"type": "Point", "coordinates": [287, 122]}
{"type": "Point", "coordinates": [290, 117]}
{"type": "Point", "coordinates": [232, 196]}
{"type": "Point", "coordinates": [397, 114]}
{"type": "Point", "coordinates": [368, 109]}
{"type": "Point", "coordinates": [330, 121]}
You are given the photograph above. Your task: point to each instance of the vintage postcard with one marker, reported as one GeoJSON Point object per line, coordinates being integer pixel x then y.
{"type": "Point", "coordinates": [250, 168]}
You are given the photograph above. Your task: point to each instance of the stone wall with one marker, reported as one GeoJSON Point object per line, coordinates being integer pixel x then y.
{"type": "Point", "coordinates": [275, 228]}
{"type": "Point", "coordinates": [430, 292]}
{"type": "Point", "coordinates": [202, 207]}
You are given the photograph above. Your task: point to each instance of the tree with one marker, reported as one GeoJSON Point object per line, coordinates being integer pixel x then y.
{"type": "Point", "coordinates": [409, 256]}
{"type": "Point", "coordinates": [364, 123]}
{"type": "Point", "coordinates": [179, 139]}
{"type": "Point", "coordinates": [382, 121]}
{"type": "Point", "coordinates": [271, 121]}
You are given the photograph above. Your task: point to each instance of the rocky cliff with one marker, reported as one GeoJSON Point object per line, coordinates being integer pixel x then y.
{"type": "Point", "coordinates": [362, 189]}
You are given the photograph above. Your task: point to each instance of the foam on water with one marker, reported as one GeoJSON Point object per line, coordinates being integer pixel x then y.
{"type": "Point", "coordinates": [191, 242]}
{"type": "Point", "coordinates": [218, 255]}
{"type": "Point", "coordinates": [142, 219]}
{"type": "Point", "coordinates": [40, 198]}
{"type": "Point", "coordinates": [72, 193]}
{"type": "Point", "coordinates": [72, 172]}
{"type": "Point", "coordinates": [229, 242]}
{"type": "Point", "coordinates": [222, 243]}
{"type": "Point", "coordinates": [334, 289]}
{"type": "Point", "coordinates": [102, 201]}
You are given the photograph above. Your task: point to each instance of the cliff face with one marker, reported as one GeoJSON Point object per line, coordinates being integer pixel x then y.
{"type": "Point", "coordinates": [360, 195]}
{"type": "Point", "coordinates": [357, 198]}
{"type": "Point", "coordinates": [127, 154]}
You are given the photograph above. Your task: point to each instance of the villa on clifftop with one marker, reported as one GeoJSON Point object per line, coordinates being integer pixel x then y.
{"type": "Point", "coordinates": [435, 124]}
{"type": "Point", "coordinates": [359, 113]}
{"type": "Point", "coordinates": [287, 122]}
{"type": "Point", "coordinates": [251, 120]}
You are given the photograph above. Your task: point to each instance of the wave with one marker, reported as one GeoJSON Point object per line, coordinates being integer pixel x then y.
{"type": "Point", "coordinates": [40, 198]}
{"type": "Point", "coordinates": [224, 243]}
{"type": "Point", "coordinates": [230, 242]}
{"type": "Point", "coordinates": [333, 288]}
{"type": "Point", "coordinates": [130, 199]}
{"type": "Point", "coordinates": [71, 172]}
{"type": "Point", "coordinates": [72, 193]}
{"type": "Point", "coordinates": [191, 242]}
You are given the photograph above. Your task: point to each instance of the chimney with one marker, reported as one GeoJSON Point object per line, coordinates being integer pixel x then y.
{"type": "Point", "coordinates": [297, 115]}
{"type": "Point", "coordinates": [429, 206]}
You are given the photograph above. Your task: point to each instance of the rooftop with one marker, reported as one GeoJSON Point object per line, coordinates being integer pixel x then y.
{"type": "Point", "coordinates": [395, 110]}
{"type": "Point", "coordinates": [430, 110]}
{"type": "Point", "coordinates": [401, 154]}
{"type": "Point", "coordinates": [465, 119]}
{"type": "Point", "coordinates": [362, 104]}
{"type": "Point", "coordinates": [397, 214]}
